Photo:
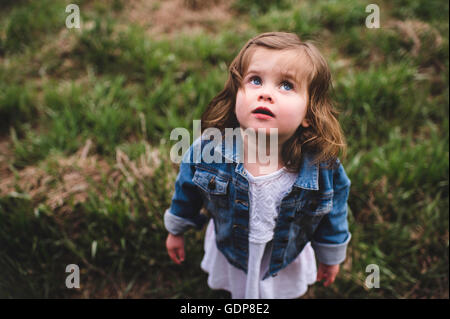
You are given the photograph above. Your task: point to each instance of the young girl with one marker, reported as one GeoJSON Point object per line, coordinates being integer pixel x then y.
{"type": "Point", "coordinates": [267, 226]}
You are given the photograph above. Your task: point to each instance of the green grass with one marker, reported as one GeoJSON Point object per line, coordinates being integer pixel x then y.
{"type": "Point", "coordinates": [124, 90]}
{"type": "Point", "coordinates": [380, 98]}
{"type": "Point", "coordinates": [29, 23]}
{"type": "Point", "coordinates": [421, 9]}
{"type": "Point", "coordinates": [16, 106]}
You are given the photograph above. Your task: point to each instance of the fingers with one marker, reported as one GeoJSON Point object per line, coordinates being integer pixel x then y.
{"type": "Point", "coordinates": [327, 273]}
{"type": "Point", "coordinates": [173, 256]}
{"type": "Point", "coordinates": [321, 272]}
{"type": "Point", "coordinates": [176, 254]}
{"type": "Point", "coordinates": [329, 280]}
{"type": "Point", "coordinates": [181, 255]}
{"type": "Point", "coordinates": [175, 248]}
{"type": "Point", "coordinates": [320, 275]}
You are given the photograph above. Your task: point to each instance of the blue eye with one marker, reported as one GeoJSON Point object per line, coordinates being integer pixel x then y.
{"type": "Point", "coordinates": [287, 85]}
{"type": "Point", "coordinates": [256, 80]}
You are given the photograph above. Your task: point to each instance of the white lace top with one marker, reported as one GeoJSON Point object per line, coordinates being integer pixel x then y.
{"type": "Point", "coordinates": [265, 195]}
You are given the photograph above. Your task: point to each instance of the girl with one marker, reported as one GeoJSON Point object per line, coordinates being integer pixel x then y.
{"type": "Point", "coordinates": [267, 226]}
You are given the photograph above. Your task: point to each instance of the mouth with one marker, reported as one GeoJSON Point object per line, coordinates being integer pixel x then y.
{"type": "Point", "coordinates": [263, 111]}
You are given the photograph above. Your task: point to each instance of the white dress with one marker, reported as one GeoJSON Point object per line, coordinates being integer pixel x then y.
{"type": "Point", "coordinates": [265, 195]}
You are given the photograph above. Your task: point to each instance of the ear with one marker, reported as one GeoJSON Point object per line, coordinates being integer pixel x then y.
{"type": "Point", "coordinates": [305, 123]}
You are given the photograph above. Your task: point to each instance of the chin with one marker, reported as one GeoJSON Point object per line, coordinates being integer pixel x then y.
{"type": "Point", "coordinates": [258, 129]}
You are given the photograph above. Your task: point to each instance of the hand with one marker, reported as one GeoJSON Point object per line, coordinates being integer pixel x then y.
{"type": "Point", "coordinates": [327, 272]}
{"type": "Point", "coordinates": [175, 248]}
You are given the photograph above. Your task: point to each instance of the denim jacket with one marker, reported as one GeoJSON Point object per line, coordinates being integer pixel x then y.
{"type": "Point", "coordinates": [315, 209]}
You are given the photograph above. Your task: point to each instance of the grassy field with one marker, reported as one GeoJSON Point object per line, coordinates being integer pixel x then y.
{"type": "Point", "coordinates": [86, 116]}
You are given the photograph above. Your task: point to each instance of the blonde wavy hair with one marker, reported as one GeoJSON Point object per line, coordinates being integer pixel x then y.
{"type": "Point", "coordinates": [323, 137]}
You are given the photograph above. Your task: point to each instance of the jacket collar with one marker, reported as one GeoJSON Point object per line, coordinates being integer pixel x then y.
{"type": "Point", "coordinates": [231, 148]}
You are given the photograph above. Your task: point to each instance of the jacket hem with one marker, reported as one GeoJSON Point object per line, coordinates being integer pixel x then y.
{"type": "Point", "coordinates": [175, 224]}
{"type": "Point", "coordinates": [331, 254]}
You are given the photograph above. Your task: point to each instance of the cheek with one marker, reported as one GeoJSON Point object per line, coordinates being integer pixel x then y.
{"type": "Point", "coordinates": [240, 105]}
{"type": "Point", "coordinates": [294, 112]}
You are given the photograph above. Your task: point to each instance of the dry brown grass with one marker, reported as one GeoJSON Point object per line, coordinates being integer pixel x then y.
{"type": "Point", "coordinates": [5, 155]}
{"type": "Point", "coordinates": [61, 182]}
{"type": "Point", "coordinates": [174, 16]}
{"type": "Point", "coordinates": [415, 30]}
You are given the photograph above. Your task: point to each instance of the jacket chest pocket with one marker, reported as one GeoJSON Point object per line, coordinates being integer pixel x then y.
{"type": "Point", "coordinates": [318, 205]}
{"type": "Point", "coordinates": [214, 187]}
{"type": "Point", "coordinates": [309, 215]}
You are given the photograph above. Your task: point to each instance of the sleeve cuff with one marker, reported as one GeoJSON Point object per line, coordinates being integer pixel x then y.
{"type": "Point", "coordinates": [331, 254]}
{"type": "Point", "coordinates": [176, 225]}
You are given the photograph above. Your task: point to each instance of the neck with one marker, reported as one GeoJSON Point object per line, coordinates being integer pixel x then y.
{"type": "Point", "coordinates": [262, 153]}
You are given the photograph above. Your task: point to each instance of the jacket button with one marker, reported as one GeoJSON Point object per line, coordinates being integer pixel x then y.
{"type": "Point", "coordinates": [212, 183]}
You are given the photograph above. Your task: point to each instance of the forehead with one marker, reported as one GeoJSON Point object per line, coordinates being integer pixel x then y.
{"type": "Point", "coordinates": [261, 57]}
{"type": "Point", "coordinates": [294, 62]}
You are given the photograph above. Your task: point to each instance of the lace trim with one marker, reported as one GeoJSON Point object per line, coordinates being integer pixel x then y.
{"type": "Point", "coordinates": [265, 194]}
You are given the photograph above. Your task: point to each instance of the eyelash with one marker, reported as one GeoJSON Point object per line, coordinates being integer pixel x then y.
{"type": "Point", "coordinates": [282, 82]}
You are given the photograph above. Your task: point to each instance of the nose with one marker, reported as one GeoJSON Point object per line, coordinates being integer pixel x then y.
{"type": "Point", "coordinates": [265, 97]}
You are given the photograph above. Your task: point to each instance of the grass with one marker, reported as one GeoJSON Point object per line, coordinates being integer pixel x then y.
{"type": "Point", "coordinates": [85, 120]}
{"type": "Point", "coordinates": [29, 23]}
{"type": "Point", "coordinates": [17, 106]}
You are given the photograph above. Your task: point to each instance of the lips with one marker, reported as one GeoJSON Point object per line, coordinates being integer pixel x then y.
{"type": "Point", "coordinates": [264, 111]}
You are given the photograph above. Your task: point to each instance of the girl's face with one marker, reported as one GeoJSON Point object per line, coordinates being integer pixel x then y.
{"type": "Point", "coordinates": [269, 97]}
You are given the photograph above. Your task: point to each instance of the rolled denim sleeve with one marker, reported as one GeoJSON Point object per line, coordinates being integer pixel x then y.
{"type": "Point", "coordinates": [332, 236]}
{"type": "Point", "coordinates": [184, 212]}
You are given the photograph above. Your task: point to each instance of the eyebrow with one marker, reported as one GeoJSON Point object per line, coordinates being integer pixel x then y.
{"type": "Point", "coordinates": [285, 75]}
